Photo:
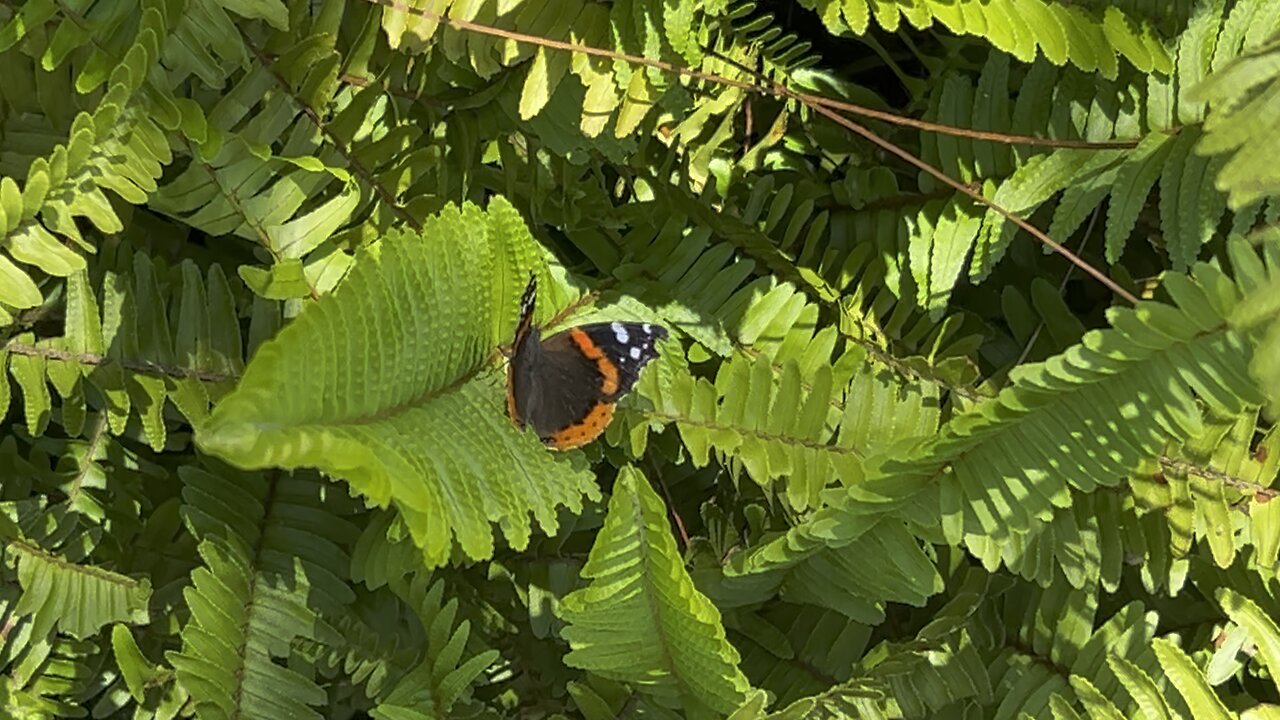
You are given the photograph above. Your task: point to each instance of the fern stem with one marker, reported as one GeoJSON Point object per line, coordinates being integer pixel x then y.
{"type": "Point", "coordinates": [141, 366]}
{"type": "Point", "coordinates": [1260, 492]}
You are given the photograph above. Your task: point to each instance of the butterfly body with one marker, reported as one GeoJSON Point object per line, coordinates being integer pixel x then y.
{"type": "Point", "coordinates": [566, 387]}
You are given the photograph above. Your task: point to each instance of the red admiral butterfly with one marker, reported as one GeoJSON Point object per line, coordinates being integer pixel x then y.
{"type": "Point", "coordinates": [566, 386]}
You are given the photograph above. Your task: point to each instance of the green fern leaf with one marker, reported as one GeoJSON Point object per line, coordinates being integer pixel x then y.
{"type": "Point", "coordinates": [943, 245]}
{"type": "Point", "coordinates": [681, 31]}
{"type": "Point", "coordinates": [1195, 54]}
{"type": "Point", "coordinates": [1141, 688]}
{"type": "Point", "coordinates": [641, 620]}
{"type": "Point", "coordinates": [1190, 205]}
{"type": "Point", "coordinates": [1244, 98]}
{"type": "Point", "coordinates": [382, 408]}
{"type": "Point", "coordinates": [80, 599]}
{"type": "Point", "coordinates": [134, 667]}
{"type": "Point", "coordinates": [17, 289]}
{"type": "Point", "coordinates": [30, 371]}
{"type": "Point", "coordinates": [226, 667]}
{"type": "Point", "coordinates": [1190, 682]}
{"type": "Point", "coordinates": [1133, 184]}
{"type": "Point", "coordinates": [1262, 628]}
{"type": "Point", "coordinates": [1098, 706]}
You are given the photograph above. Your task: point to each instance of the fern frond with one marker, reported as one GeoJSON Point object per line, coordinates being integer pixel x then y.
{"type": "Point", "coordinates": [783, 408]}
{"type": "Point", "coordinates": [1212, 489]}
{"type": "Point", "coordinates": [434, 685]}
{"type": "Point", "coordinates": [119, 146]}
{"type": "Point", "coordinates": [126, 352]}
{"type": "Point", "coordinates": [781, 53]}
{"type": "Point", "coordinates": [55, 582]}
{"type": "Point", "coordinates": [1156, 351]}
{"type": "Point", "coordinates": [641, 620]}
{"type": "Point", "coordinates": [79, 599]}
{"type": "Point", "coordinates": [267, 576]}
{"type": "Point", "coordinates": [1063, 32]}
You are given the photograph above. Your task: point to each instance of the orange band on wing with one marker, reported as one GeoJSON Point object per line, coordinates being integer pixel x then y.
{"type": "Point", "coordinates": [608, 370]}
{"type": "Point", "coordinates": [586, 430]}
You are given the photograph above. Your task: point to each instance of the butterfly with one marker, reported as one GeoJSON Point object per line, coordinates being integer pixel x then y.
{"type": "Point", "coordinates": [566, 387]}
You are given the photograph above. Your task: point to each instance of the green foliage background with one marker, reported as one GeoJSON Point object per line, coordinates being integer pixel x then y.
{"type": "Point", "coordinates": [258, 259]}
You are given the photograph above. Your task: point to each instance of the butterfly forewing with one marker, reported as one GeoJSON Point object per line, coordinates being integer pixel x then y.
{"type": "Point", "coordinates": [629, 345]}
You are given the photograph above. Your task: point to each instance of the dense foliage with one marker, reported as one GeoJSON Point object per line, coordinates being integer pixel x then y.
{"type": "Point", "coordinates": [259, 261]}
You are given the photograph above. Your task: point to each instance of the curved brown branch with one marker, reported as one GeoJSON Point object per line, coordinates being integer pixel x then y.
{"type": "Point", "coordinates": [974, 195]}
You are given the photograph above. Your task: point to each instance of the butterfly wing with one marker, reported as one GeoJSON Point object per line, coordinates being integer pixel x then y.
{"type": "Point", "coordinates": [628, 346]}
{"type": "Point", "coordinates": [568, 393]}
{"type": "Point", "coordinates": [565, 387]}
{"type": "Point", "coordinates": [590, 367]}
{"type": "Point", "coordinates": [524, 354]}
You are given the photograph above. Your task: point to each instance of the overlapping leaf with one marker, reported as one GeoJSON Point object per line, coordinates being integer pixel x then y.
{"type": "Point", "coordinates": [390, 383]}
{"type": "Point", "coordinates": [641, 620]}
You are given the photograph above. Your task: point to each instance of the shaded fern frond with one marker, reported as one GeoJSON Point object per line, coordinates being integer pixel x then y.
{"type": "Point", "coordinates": [267, 577]}
{"type": "Point", "coordinates": [1244, 97]}
{"type": "Point", "coordinates": [794, 651]}
{"type": "Point", "coordinates": [444, 674]}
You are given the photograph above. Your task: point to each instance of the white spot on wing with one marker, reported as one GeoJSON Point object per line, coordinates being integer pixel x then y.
{"type": "Point", "coordinates": [620, 332]}
{"type": "Point", "coordinates": [635, 353]}
{"type": "Point", "coordinates": [647, 328]}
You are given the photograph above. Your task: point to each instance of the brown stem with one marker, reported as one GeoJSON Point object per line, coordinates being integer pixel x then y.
{"type": "Point", "coordinates": [976, 196]}
{"type": "Point", "coordinates": [141, 366]}
{"type": "Point", "coordinates": [1261, 493]}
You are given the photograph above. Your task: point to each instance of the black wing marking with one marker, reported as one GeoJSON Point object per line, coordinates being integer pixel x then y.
{"type": "Point", "coordinates": [566, 387]}
{"type": "Point", "coordinates": [629, 345]}
{"type": "Point", "coordinates": [528, 301]}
